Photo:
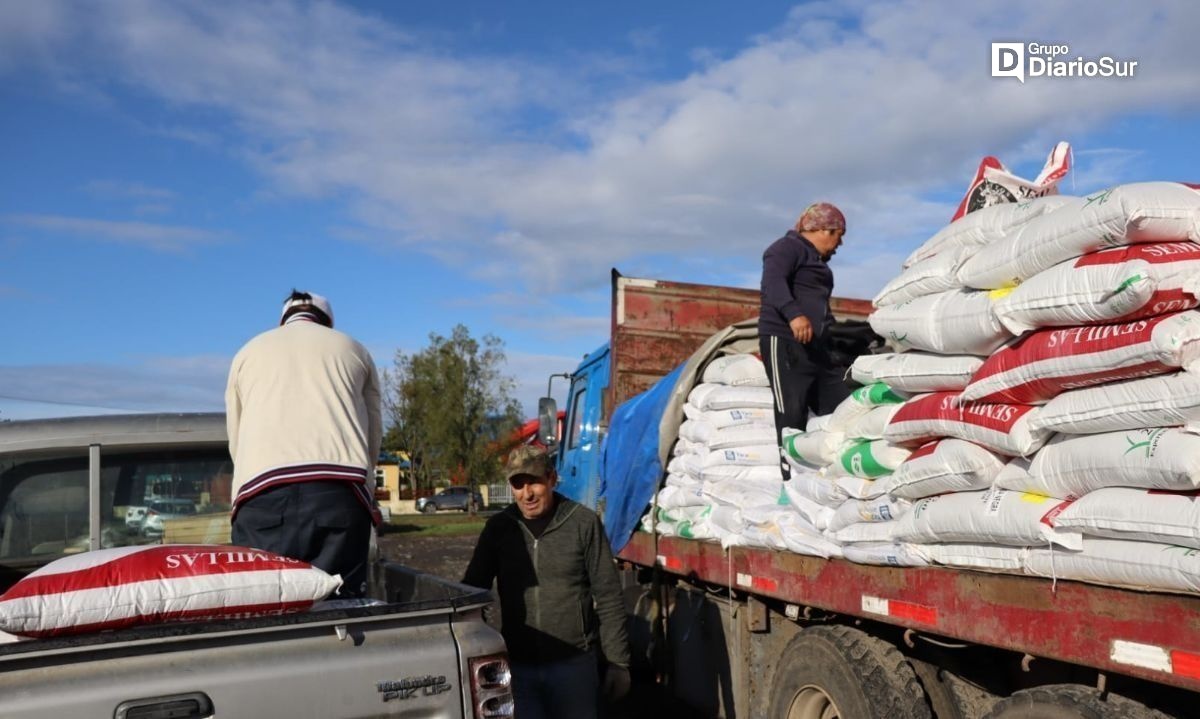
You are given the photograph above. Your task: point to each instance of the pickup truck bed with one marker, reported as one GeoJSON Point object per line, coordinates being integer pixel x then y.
{"type": "Point", "coordinates": [66, 486]}
{"type": "Point", "coordinates": [385, 660]}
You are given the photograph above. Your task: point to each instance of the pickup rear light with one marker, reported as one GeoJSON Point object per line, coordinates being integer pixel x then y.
{"type": "Point", "coordinates": [491, 686]}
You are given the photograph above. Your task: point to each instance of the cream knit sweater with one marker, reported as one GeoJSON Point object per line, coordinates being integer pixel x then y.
{"type": "Point", "coordinates": [302, 403]}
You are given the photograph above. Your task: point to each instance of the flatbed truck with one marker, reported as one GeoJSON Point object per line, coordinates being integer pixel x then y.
{"type": "Point", "coordinates": [751, 632]}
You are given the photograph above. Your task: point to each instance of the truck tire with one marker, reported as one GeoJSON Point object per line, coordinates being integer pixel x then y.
{"type": "Point", "coordinates": [1068, 701]}
{"type": "Point", "coordinates": [942, 701]}
{"type": "Point", "coordinates": [841, 673]}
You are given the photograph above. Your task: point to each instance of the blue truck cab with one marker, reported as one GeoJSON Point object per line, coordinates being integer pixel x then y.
{"type": "Point", "coordinates": [578, 457]}
{"type": "Point", "coordinates": [656, 325]}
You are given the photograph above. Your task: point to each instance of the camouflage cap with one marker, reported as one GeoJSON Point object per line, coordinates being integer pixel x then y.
{"type": "Point", "coordinates": [821, 216]}
{"type": "Point", "coordinates": [528, 459]}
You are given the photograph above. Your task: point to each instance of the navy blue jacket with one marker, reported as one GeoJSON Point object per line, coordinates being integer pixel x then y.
{"type": "Point", "coordinates": [795, 281]}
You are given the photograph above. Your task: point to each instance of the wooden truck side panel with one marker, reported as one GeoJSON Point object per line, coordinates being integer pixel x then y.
{"type": "Point", "coordinates": [657, 324]}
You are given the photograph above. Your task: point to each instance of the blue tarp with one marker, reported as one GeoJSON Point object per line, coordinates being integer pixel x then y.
{"type": "Point", "coordinates": [630, 469]}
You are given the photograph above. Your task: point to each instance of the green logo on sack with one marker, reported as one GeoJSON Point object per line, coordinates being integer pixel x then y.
{"type": "Point", "coordinates": [1099, 199]}
{"type": "Point", "coordinates": [1148, 444]}
{"type": "Point", "coordinates": [1127, 284]}
{"type": "Point", "coordinates": [860, 462]}
{"type": "Point", "coordinates": [793, 451]}
{"type": "Point", "coordinates": [875, 395]}
{"type": "Point", "coordinates": [789, 445]}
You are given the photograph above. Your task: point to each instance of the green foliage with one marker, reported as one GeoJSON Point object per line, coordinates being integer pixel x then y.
{"type": "Point", "coordinates": [442, 525]}
{"type": "Point", "coordinates": [447, 403]}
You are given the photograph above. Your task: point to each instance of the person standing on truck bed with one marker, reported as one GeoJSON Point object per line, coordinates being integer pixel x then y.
{"type": "Point", "coordinates": [559, 594]}
{"type": "Point", "coordinates": [795, 317]}
{"type": "Point", "coordinates": [302, 409]}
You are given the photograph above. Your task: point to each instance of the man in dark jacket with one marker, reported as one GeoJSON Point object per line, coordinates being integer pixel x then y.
{"type": "Point", "coordinates": [795, 318]}
{"type": "Point", "coordinates": [560, 597]}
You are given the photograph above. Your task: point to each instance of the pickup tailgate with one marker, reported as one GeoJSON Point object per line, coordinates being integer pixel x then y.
{"type": "Point", "coordinates": [384, 666]}
{"type": "Point", "coordinates": [402, 659]}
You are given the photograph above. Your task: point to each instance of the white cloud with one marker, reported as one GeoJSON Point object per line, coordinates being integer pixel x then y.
{"type": "Point", "coordinates": [128, 190]}
{"type": "Point", "coordinates": [142, 199]}
{"type": "Point", "coordinates": [560, 326]}
{"type": "Point", "coordinates": [193, 384]}
{"type": "Point", "coordinates": [532, 373]}
{"type": "Point", "coordinates": [19, 409]}
{"type": "Point", "coordinates": [32, 32]}
{"type": "Point", "coordinates": [874, 105]}
{"type": "Point", "coordinates": [1103, 166]}
{"type": "Point", "coordinates": [154, 384]}
{"type": "Point", "coordinates": [645, 39]}
{"type": "Point", "coordinates": [152, 208]}
{"type": "Point", "coordinates": [165, 238]}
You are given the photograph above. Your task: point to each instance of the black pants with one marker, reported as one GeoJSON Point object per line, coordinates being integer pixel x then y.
{"type": "Point", "coordinates": [321, 523]}
{"type": "Point", "coordinates": [802, 378]}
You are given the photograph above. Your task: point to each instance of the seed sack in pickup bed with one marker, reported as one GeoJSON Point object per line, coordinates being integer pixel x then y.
{"type": "Point", "coordinates": [127, 586]}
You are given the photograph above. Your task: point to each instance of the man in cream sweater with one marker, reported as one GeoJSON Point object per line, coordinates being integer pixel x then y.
{"type": "Point", "coordinates": [302, 409]}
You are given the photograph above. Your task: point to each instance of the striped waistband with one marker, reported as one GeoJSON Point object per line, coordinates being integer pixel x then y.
{"type": "Point", "coordinates": [355, 477]}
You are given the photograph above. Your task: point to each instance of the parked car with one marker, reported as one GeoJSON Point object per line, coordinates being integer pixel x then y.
{"type": "Point", "coordinates": [134, 516]}
{"type": "Point", "coordinates": [450, 498]}
{"type": "Point", "coordinates": [161, 510]}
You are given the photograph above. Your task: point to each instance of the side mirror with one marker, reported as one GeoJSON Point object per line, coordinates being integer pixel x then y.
{"type": "Point", "coordinates": [548, 421]}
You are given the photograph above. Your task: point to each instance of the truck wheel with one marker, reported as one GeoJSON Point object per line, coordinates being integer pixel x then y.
{"type": "Point", "coordinates": [1067, 701]}
{"type": "Point", "coordinates": [841, 673]}
{"type": "Point", "coordinates": [940, 694]}
{"type": "Point", "coordinates": [430, 508]}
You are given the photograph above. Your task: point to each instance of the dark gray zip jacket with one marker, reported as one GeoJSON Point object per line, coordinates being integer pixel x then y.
{"type": "Point", "coordinates": [795, 281]}
{"type": "Point", "coordinates": [559, 593]}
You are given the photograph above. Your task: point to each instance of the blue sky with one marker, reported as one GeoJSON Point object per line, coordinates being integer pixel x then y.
{"type": "Point", "coordinates": [171, 170]}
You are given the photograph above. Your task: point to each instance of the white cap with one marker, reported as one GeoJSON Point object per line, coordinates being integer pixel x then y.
{"type": "Point", "coordinates": [317, 301]}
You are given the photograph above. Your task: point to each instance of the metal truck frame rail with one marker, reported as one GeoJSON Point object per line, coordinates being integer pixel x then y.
{"type": "Point", "coordinates": [1154, 636]}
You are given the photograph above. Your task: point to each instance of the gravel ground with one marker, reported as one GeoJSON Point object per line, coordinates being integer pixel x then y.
{"type": "Point", "coordinates": [447, 556]}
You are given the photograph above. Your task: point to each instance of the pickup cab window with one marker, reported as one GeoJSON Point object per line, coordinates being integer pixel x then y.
{"type": "Point", "coordinates": [143, 497]}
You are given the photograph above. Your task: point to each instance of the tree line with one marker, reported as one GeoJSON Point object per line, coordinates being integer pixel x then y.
{"type": "Point", "coordinates": [450, 407]}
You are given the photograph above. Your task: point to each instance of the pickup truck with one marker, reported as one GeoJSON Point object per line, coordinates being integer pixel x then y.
{"type": "Point", "coordinates": [753, 632]}
{"type": "Point", "coordinates": [421, 649]}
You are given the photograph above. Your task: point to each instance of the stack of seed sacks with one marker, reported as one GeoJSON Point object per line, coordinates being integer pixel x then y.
{"type": "Point", "coordinates": [1050, 355]}
{"type": "Point", "coordinates": [724, 481]}
{"type": "Point", "coordinates": [843, 463]}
